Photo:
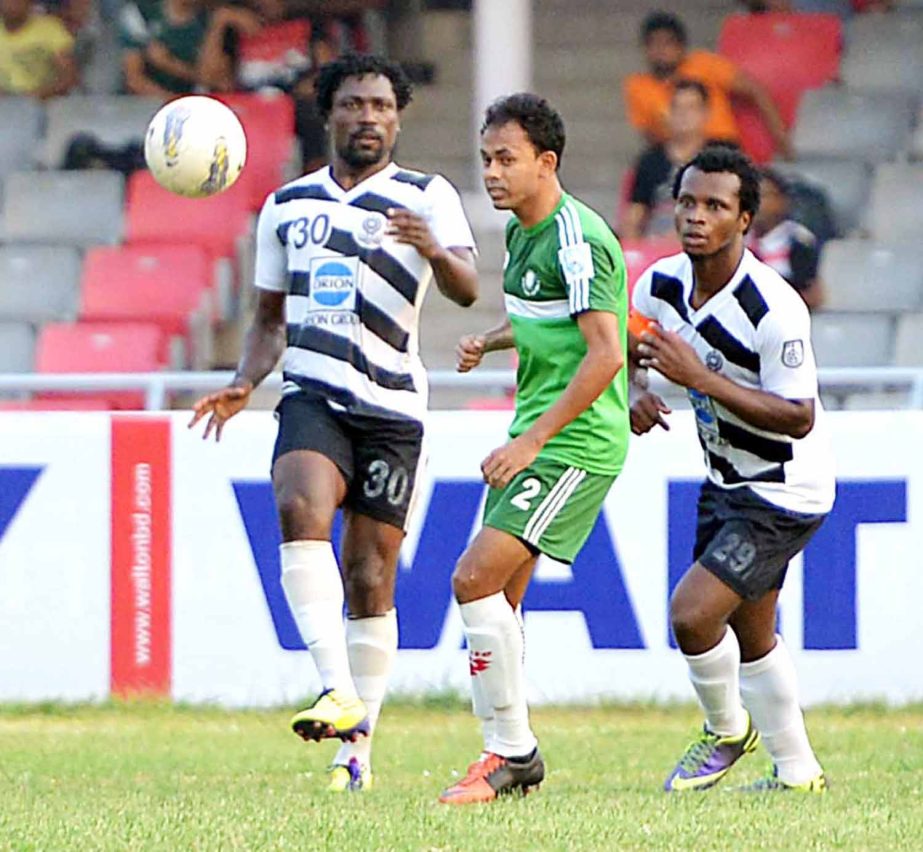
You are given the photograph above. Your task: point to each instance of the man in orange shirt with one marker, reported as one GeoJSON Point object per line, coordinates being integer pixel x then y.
{"type": "Point", "coordinates": [648, 95]}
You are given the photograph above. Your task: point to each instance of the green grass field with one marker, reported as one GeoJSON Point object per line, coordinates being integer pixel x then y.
{"type": "Point", "coordinates": [142, 776]}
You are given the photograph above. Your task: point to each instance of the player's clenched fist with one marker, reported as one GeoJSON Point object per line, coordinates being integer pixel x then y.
{"type": "Point", "coordinates": [469, 352]}
{"type": "Point", "coordinates": [222, 405]}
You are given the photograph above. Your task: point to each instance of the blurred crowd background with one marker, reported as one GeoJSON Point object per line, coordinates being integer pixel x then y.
{"type": "Point", "coordinates": [101, 270]}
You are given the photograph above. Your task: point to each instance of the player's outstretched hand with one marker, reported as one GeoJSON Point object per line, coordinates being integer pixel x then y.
{"type": "Point", "coordinates": [222, 405]}
{"type": "Point", "coordinates": [647, 412]}
{"type": "Point", "coordinates": [469, 352]}
{"type": "Point", "coordinates": [505, 462]}
{"type": "Point", "coordinates": [411, 228]}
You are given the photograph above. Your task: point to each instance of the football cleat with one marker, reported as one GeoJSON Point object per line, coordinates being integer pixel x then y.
{"type": "Point", "coordinates": [492, 776]}
{"type": "Point", "coordinates": [332, 716]}
{"type": "Point", "coordinates": [352, 778]}
{"type": "Point", "coordinates": [771, 783]}
{"type": "Point", "coordinates": [709, 758]}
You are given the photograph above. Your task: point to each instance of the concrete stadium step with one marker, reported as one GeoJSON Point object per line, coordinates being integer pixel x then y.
{"type": "Point", "coordinates": [422, 138]}
{"type": "Point", "coordinates": [442, 324]}
{"type": "Point", "coordinates": [601, 66]}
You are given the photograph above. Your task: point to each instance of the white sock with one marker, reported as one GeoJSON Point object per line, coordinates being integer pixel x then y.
{"type": "Point", "coordinates": [715, 677]}
{"type": "Point", "coordinates": [314, 590]}
{"type": "Point", "coordinates": [495, 648]}
{"type": "Point", "coordinates": [769, 688]}
{"type": "Point", "coordinates": [372, 645]}
{"type": "Point", "coordinates": [484, 710]}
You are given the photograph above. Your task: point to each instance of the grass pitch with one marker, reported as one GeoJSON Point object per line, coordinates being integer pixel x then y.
{"type": "Point", "coordinates": [141, 776]}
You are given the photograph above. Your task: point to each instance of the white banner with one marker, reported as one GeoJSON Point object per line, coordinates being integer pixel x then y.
{"type": "Point", "coordinates": [597, 629]}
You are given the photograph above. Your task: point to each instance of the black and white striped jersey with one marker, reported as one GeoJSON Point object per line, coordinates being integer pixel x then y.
{"type": "Point", "coordinates": [757, 332]}
{"type": "Point", "coordinates": [354, 294]}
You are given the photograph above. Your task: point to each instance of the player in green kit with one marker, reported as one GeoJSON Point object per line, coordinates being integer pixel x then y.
{"type": "Point", "coordinates": [566, 301]}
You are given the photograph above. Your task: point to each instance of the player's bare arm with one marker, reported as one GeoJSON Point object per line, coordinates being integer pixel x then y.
{"type": "Point", "coordinates": [671, 356]}
{"type": "Point", "coordinates": [264, 343]}
{"type": "Point", "coordinates": [603, 360]}
{"type": "Point", "coordinates": [472, 347]}
{"type": "Point", "coordinates": [453, 268]}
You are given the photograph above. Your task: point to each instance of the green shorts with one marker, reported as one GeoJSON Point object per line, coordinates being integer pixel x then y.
{"type": "Point", "coordinates": [550, 505]}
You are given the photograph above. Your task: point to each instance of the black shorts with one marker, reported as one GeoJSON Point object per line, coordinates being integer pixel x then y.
{"type": "Point", "coordinates": [377, 457]}
{"type": "Point", "coordinates": [747, 542]}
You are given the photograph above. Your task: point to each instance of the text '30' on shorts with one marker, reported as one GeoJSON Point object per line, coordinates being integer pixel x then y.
{"type": "Point", "coordinates": [551, 506]}
{"type": "Point", "coordinates": [378, 458]}
{"type": "Point", "coordinates": [747, 542]}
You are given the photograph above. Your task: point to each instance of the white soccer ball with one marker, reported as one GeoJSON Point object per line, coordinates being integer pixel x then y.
{"type": "Point", "coordinates": [195, 146]}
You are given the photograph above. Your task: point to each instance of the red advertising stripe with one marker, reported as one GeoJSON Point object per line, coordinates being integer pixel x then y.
{"type": "Point", "coordinates": [140, 639]}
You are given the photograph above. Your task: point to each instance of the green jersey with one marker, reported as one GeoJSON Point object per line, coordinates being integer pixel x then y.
{"type": "Point", "coordinates": [568, 263]}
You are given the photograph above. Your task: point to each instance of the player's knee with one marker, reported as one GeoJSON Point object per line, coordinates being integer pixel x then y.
{"type": "Point", "coordinates": [366, 585]}
{"type": "Point", "coordinates": [466, 581]}
{"type": "Point", "coordinates": [300, 517]}
{"type": "Point", "coordinates": [688, 620]}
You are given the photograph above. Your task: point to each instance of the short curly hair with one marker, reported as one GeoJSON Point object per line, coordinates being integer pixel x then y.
{"type": "Point", "coordinates": [727, 158]}
{"type": "Point", "coordinates": [541, 122]}
{"type": "Point", "coordinates": [331, 76]}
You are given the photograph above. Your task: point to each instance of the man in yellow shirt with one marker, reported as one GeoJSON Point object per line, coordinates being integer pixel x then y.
{"type": "Point", "coordinates": [36, 52]}
{"type": "Point", "coordinates": [648, 95]}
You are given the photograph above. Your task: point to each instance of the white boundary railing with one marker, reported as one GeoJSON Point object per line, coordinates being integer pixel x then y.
{"type": "Point", "coordinates": [836, 381]}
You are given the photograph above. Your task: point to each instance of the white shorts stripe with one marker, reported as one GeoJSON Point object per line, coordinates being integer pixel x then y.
{"type": "Point", "coordinates": [550, 506]}
{"type": "Point", "coordinates": [563, 496]}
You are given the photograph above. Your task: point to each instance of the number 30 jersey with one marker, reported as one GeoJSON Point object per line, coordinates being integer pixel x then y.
{"type": "Point", "coordinates": [354, 294]}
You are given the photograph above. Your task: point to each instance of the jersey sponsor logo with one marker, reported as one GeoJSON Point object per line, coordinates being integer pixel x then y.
{"type": "Point", "coordinates": [530, 283]}
{"type": "Point", "coordinates": [706, 420]}
{"type": "Point", "coordinates": [333, 284]}
{"type": "Point", "coordinates": [714, 360]}
{"type": "Point", "coordinates": [577, 262]}
{"type": "Point", "coordinates": [793, 353]}
{"type": "Point", "coordinates": [371, 231]}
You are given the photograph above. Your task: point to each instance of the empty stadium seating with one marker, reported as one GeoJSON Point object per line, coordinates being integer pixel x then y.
{"type": "Point", "coordinates": [38, 283]}
{"type": "Point", "coordinates": [169, 285]}
{"type": "Point", "coordinates": [788, 54]}
{"type": "Point", "coordinates": [896, 209]}
{"type": "Point", "coordinates": [100, 348]}
{"type": "Point", "coordinates": [863, 275]}
{"type": "Point", "coordinates": [21, 120]}
{"type": "Point", "coordinates": [68, 208]}
{"type": "Point", "coordinates": [908, 345]}
{"type": "Point", "coordinates": [836, 122]}
{"type": "Point", "coordinates": [852, 340]}
{"type": "Point", "coordinates": [17, 347]}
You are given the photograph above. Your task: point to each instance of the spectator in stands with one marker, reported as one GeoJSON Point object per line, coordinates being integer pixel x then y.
{"type": "Point", "coordinates": [161, 41]}
{"type": "Point", "coordinates": [647, 95]}
{"type": "Point", "coordinates": [784, 244]}
{"type": "Point", "coordinates": [36, 52]}
{"type": "Point", "coordinates": [650, 211]}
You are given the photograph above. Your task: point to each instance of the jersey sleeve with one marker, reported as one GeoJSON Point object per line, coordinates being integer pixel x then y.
{"type": "Point", "coordinates": [641, 300]}
{"type": "Point", "coordinates": [447, 218]}
{"type": "Point", "coordinates": [787, 366]}
{"type": "Point", "coordinates": [594, 275]}
{"type": "Point", "coordinates": [271, 257]}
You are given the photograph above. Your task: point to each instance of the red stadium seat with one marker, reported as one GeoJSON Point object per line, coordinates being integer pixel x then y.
{"type": "Point", "coordinates": [787, 53]}
{"type": "Point", "coordinates": [269, 122]}
{"type": "Point", "coordinates": [155, 215]}
{"type": "Point", "coordinates": [640, 254]}
{"type": "Point", "coordinates": [100, 348]}
{"type": "Point", "coordinates": [169, 285]}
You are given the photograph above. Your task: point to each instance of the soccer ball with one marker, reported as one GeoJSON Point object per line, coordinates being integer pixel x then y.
{"type": "Point", "coordinates": [195, 146]}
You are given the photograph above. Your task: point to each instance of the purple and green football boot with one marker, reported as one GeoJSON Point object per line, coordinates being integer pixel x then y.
{"type": "Point", "coordinates": [709, 758]}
